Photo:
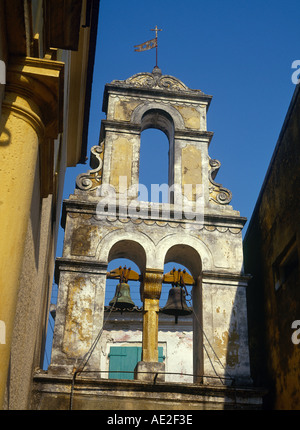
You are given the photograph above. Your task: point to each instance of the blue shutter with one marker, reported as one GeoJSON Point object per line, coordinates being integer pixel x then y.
{"type": "Point", "coordinates": [123, 359]}
{"type": "Point", "coordinates": [161, 356]}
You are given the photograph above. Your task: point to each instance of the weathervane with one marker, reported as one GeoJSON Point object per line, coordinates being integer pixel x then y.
{"type": "Point", "coordinates": [149, 44]}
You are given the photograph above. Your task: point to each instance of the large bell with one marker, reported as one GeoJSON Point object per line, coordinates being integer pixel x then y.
{"type": "Point", "coordinates": [122, 299]}
{"type": "Point", "coordinates": [176, 304]}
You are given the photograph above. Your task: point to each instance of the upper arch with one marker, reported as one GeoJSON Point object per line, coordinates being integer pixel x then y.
{"type": "Point", "coordinates": [187, 250]}
{"type": "Point", "coordinates": [135, 246]}
{"type": "Point", "coordinates": [167, 113]}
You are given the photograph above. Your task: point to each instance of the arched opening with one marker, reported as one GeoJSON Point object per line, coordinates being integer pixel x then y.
{"type": "Point", "coordinates": [122, 334]}
{"type": "Point", "coordinates": [186, 337]}
{"type": "Point", "coordinates": [129, 249]}
{"type": "Point", "coordinates": [129, 255]}
{"type": "Point", "coordinates": [121, 340]}
{"type": "Point", "coordinates": [168, 267]}
{"type": "Point", "coordinates": [160, 119]}
{"type": "Point", "coordinates": [175, 334]}
{"type": "Point", "coordinates": [111, 283]}
{"type": "Point", "coordinates": [156, 154]}
{"type": "Point", "coordinates": [187, 256]}
{"type": "Point", "coordinates": [154, 166]}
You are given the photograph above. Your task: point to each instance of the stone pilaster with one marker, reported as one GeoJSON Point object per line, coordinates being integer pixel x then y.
{"type": "Point", "coordinates": [29, 117]}
{"type": "Point", "coordinates": [150, 294]}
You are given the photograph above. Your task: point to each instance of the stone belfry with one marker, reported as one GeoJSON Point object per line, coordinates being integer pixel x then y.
{"type": "Point", "coordinates": [104, 220]}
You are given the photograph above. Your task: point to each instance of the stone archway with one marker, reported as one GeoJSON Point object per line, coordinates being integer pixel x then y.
{"type": "Point", "coordinates": [189, 257]}
{"type": "Point", "coordinates": [197, 255]}
{"type": "Point", "coordinates": [134, 246]}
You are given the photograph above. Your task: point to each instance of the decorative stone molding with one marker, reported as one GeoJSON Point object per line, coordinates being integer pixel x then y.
{"type": "Point", "coordinates": [93, 178]}
{"type": "Point", "coordinates": [144, 99]}
{"type": "Point", "coordinates": [40, 82]}
{"type": "Point", "coordinates": [232, 279]}
{"type": "Point", "coordinates": [92, 267]}
{"type": "Point", "coordinates": [175, 224]}
{"type": "Point", "coordinates": [233, 226]}
{"type": "Point", "coordinates": [151, 284]}
{"type": "Point", "coordinates": [217, 193]}
{"type": "Point", "coordinates": [156, 80]}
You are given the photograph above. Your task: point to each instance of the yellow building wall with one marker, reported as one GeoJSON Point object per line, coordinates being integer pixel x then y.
{"type": "Point", "coordinates": [42, 107]}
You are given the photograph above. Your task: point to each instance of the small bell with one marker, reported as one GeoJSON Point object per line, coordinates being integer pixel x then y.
{"type": "Point", "coordinates": [122, 299]}
{"type": "Point", "coordinates": [176, 304]}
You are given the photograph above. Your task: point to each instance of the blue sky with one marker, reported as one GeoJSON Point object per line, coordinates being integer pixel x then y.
{"type": "Point", "coordinates": [239, 51]}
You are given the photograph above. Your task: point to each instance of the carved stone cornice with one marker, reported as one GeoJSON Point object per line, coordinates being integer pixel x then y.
{"type": "Point", "coordinates": [34, 89]}
{"type": "Point", "coordinates": [194, 135]}
{"type": "Point", "coordinates": [30, 113]}
{"type": "Point", "coordinates": [64, 264]}
{"type": "Point", "coordinates": [77, 206]}
{"type": "Point", "coordinates": [229, 279]}
{"type": "Point", "coordinates": [155, 80]}
{"type": "Point", "coordinates": [119, 127]}
{"type": "Point", "coordinates": [155, 84]}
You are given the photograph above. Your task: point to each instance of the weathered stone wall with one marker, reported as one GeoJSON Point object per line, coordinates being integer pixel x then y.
{"type": "Point", "coordinates": [114, 395]}
{"type": "Point", "coordinates": [150, 244]}
{"type": "Point", "coordinates": [206, 239]}
{"type": "Point", "coordinates": [272, 247]}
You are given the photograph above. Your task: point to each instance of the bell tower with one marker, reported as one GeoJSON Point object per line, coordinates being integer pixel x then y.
{"type": "Point", "coordinates": [105, 219]}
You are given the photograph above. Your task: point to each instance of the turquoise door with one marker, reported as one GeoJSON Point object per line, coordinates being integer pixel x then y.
{"type": "Point", "coordinates": [123, 359]}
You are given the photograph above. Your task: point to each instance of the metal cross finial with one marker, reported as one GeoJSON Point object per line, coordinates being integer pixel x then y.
{"type": "Point", "coordinates": [156, 30]}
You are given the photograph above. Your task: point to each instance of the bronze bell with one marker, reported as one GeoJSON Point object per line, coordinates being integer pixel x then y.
{"type": "Point", "coordinates": [122, 299]}
{"type": "Point", "coordinates": [176, 304]}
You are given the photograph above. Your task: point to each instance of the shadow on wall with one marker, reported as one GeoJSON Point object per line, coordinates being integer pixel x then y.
{"type": "Point", "coordinates": [5, 137]}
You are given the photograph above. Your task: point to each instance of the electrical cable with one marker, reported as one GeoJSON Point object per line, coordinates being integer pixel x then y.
{"type": "Point", "coordinates": [216, 355]}
{"type": "Point", "coordinates": [85, 359]}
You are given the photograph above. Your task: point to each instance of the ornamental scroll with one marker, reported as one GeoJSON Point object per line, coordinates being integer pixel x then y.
{"type": "Point", "coordinates": [92, 179]}
{"type": "Point", "coordinates": [217, 193]}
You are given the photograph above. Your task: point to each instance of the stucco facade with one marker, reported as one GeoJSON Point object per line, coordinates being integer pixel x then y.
{"type": "Point", "coordinates": [176, 340]}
